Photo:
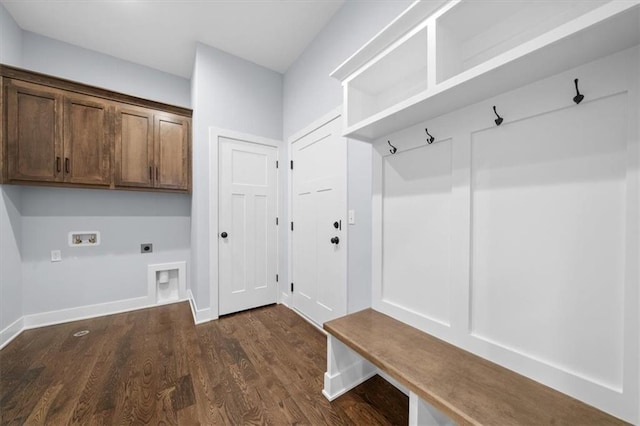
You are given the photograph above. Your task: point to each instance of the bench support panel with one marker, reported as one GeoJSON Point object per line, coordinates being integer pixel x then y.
{"type": "Point", "coordinates": [345, 369]}
{"type": "Point", "coordinates": [422, 413]}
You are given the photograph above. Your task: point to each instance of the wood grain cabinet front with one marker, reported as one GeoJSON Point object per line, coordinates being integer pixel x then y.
{"type": "Point", "coordinates": [87, 141]}
{"type": "Point", "coordinates": [53, 136]}
{"type": "Point", "coordinates": [34, 133]}
{"type": "Point", "coordinates": [133, 147]}
{"type": "Point", "coordinates": [62, 133]}
{"type": "Point", "coordinates": [151, 149]}
{"type": "Point", "coordinates": [171, 145]}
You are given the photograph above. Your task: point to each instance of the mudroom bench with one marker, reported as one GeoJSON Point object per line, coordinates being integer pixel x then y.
{"type": "Point", "coordinates": [446, 384]}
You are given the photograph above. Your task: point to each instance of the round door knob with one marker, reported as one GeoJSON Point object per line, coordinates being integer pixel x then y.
{"type": "Point", "coordinates": [224, 235]}
{"type": "Point", "coordinates": [335, 240]}
{"type": "Point", "coordinates": [336, 225]}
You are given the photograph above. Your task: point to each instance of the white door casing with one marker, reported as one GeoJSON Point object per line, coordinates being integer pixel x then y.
{"type": "Point", "coordinates": [247, 230]}
{"type": "Point", "coordinates": [318, 212]}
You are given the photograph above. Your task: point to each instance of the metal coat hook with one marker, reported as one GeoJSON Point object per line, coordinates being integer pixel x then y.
{"type": "Point", "coordinates": [578, 97]}
{"type": "Point", "coordinates": [430, 139]}
{"type": "Point", "coordinates": [498, 120]}
{"type": "Point", "coordinates": [393, 148]}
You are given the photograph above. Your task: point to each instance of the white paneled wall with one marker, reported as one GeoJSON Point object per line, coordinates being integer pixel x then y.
{"type": "Point", "coordinates": [519, 242]}
{"type": "Point", "coordinates": [417, 258]}
{"type": "Point", "coordinates": [548, 237]}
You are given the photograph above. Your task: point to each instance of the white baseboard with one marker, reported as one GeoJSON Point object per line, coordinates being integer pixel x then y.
{"type": "Point", "coordinates": [285, 299]}
{"type": "Point", "coordinates": [199, 315]}
{"type": "Point", "coordinates": [84, 312]}
{"type": "Point", "coordinates": [307, 319]}
{"type": "Point", "coordinates": [74, 314]}
{"type": "Point", "coordinates": [349, 378]}
{"type": "Point", "coordinates": [11, 331]}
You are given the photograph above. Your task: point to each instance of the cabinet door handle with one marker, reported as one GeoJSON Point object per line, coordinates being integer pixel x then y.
{"type": "Point", "coordinates": [67, 168]}
{"type": "Point", "coordinates": [156, 173]}
{"type": "Point", "coordinates": [58, 165]}
{"type": "Point", "coordinates": [150, 173]}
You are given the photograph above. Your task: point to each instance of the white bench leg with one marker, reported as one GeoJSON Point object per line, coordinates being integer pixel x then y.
{"type": "Point", "coordinates": [345, 369]}
{"type": "Point", "coordinates": [423, 414]}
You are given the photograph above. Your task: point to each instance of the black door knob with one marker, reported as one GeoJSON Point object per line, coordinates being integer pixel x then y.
{"type": "Point", "coordinates": [224, 235]}
{"type": "Point", "coordinates": [336, 225]}
{"type": "Point", "coordinates": [335, 240]}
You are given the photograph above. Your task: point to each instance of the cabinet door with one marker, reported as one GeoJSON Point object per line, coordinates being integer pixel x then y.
{"type": "Point", "coordinates": [134, 147]}
{"type": "Point", "coordinates": [171, 136]}
{"type": "Point", "coordinates": [34, 130]}
{"type": "Point", "coordinates": [86, 140]}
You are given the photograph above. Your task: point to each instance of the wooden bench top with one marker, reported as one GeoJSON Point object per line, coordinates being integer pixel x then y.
{"type": "Point", "coordinates": [466, 388]}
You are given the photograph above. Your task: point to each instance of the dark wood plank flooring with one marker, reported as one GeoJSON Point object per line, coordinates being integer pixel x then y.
{"type": "Point", "coordinates": [154, 366]}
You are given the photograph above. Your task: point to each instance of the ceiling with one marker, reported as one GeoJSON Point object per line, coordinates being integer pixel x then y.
{"type": "Point", "coordinates": [162, 34]}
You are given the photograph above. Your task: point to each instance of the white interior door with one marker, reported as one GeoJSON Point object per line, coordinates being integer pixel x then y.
{"type": "Point", "coordinates": [247, 240]}
{"type": "Point", "coordinates": [319, 204]}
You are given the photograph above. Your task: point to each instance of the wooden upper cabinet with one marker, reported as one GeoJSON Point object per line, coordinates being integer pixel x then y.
{"type": "Point", "coordinates": [59, 132]}
{"type": "Point", "coordinates": [134, 162]}
{"type": "Point", "coordinates": [151, 149]}
{"type": "Point", "coordinates": [171, 135]}
{"type": "Point", "coordinates": [86, 141]}
{"type": "Point", "coordinates": [34, 133]}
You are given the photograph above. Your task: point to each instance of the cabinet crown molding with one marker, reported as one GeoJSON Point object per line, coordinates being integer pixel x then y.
{"type": "Point", "coordinates": [85, 89]}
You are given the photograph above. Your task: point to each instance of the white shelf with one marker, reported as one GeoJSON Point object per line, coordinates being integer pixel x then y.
{"type": "Point", "coordinates": [473, 32]}
{"type": "Point", "coordinates": [413, 16]}
{"type": "Point", "coordinates": [479, 53]}
{"type": "Point", "coordinates": [390, 78]}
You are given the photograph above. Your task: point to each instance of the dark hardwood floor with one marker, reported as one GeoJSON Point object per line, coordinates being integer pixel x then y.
{"type": "Point", "coordinates": [154, 366]}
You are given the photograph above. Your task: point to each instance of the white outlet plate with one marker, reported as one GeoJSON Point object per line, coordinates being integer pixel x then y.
{"type": "Point", "coordinates": [352, 217]}
{"type": "Point", "coordinates": [56, 256]}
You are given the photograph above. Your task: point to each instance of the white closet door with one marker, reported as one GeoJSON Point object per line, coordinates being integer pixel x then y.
{"type": "Point", "coordinates": [247, 223]}
{"type": "Point", "coordinates": [319, 204]}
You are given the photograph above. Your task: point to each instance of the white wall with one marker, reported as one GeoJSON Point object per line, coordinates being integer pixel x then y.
{"type": "Point", "coordinates": [10, 222]}
{"type": "Point", "coordinates": [10, 40]}
{"type": "Point", "coordinates": [233, 94]}
{"type": "Point", "coordinates": [359, 200]}
{"type": "Point", "coordinates": [310, 93]}
{"type": "Point", "coordinates": [49, 56]}
{"type": "Point", "coordinates": [10, 257]}
{"type": "Point", "coordinates": [114, 270]}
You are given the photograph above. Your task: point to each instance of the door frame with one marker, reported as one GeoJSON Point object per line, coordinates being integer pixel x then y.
{"type": "Point", "coordinates": [215, 134]}
{"type": "Point", "coordinates": [284, 293]}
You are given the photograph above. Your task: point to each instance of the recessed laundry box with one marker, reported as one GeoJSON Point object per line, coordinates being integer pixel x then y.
{"type": "Point", "coordinates": [167, 282]}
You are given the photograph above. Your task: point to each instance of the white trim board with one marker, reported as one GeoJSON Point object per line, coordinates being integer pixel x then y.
{"type": "Point", "coordinates": [84, 312]}
{"type": "Point", "coordinates": [412, 16]}
{"type": "Point", "coordinates": [316, 124]}
{"type": "Point", "coordinates": [62, 316]}
{"type": "Point", "coordinates": [215, 133]}
{"type": "Point", "coordinates": [11, 331]}
{"type": "Point", "coordinates": [200, 316]}
{"type": "Point", "coordinates": [304, 317]}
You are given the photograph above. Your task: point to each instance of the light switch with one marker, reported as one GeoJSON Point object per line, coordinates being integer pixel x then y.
{"type": "Point", "coordinates": [352, 217]}
{"type": "Point", "coordinates": [56, 256]}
